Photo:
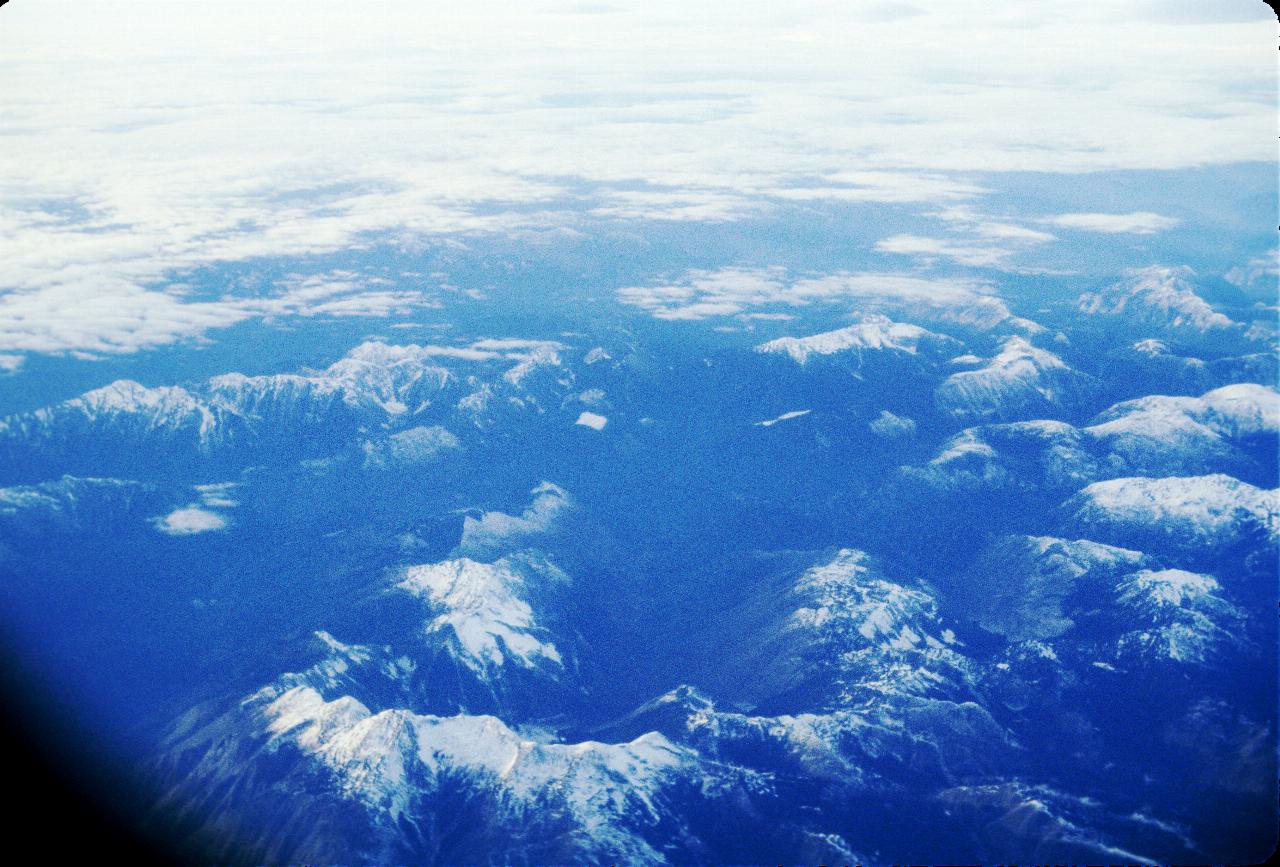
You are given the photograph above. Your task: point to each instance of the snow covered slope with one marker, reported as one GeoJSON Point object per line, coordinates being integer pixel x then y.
{"type": "Point", "coordinates": [1187, 513]}
{"type": "Point", "coordinates": [1021, 381]}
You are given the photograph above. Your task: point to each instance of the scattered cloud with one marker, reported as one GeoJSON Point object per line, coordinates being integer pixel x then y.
{"type": "Point", "coordinates": [106, 315]}
{"type": "Point", "coordinates": [921, 247]}
{"type": "Point", "coordinates": [979, 241]}
{"type": "Point", "coordinates": [516, 347]}
{"type": "Point", "coordinates": [748, 292]}
{"type": "Point", "coordinates": [218, 494]}
{"type": "Point", "coordinates": [1011, 232]}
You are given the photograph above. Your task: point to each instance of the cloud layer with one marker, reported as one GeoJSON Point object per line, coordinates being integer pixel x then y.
{"type": "Point", "coordinates": [178, 136]}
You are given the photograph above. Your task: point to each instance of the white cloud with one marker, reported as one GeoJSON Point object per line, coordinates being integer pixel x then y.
{"type": "Point", "coordinates": [980, 241]}
{"type": "Point", "coordinates": [592, 420]}
{"type": "Point", "coordinates": [1135, 223]}
{"type": "Point", "coordinates": [189, 521]}
{"type": "Point", "coordinates": [703, 294]}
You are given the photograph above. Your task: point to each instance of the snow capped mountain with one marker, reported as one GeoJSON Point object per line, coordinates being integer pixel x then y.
{"type": "Point", "coordinates": [1238, 410]}
{"type": "Point", "coordinates": [125, 411]}
{"type": "Point", "coordinates": [393, 759]}
{"type": "Point", "coordinates": [376, 387]}
{"type": "Point", "coordinates": [374, 672]}
{"type": "Point", "coordinates": [884, 755]}
{"type": "Point", "coordinates": [1158, 367]}
{"type": "Point", "coordinates": [541, 357]}
{"type": "Point", "coordinates": [1100, 604]}
{"type": "Point", "coordinates": [840, 634]}
{"type": "Point", "coordinates": [962, 627]}
{"type": "Point", "coordinates": [876, 748]}
{"type": "Point", "coordinates": [540, 383]}
{"type": "Point", "coordinates": [169, 408]}
{"type": "Point", "coordinates": [890, 425]}
{"type": "Point", "coordinates": [397, 773]}
{"type": "Point", "coordinates": [1182, 617]}
{"type": "Point", "coordinates": [1020, 586]}
{"type": "Point", "coordinates": [846, 589]}
{"type": "Point", "coordinates": [73, 503]}
{"type": "Point", "coordinates": [1244, 409]}
{"type": "Point", "coordinates": [395, 378]}
{"type": "Point", "coordinates": [1020, 381]}
{"type": "Point", "coordinates": [484, 607]}
{"type": "Point", "coordinates": [1016, 816]}
{"type": "Point", "coordinates": [872, 334]}
{"type": "Point", "coordinates": [1154, 435]}
{"type": "Point", "coordinates": [282, 402]}
{"type": "Point", "coordinates": [1157, 298]}
{"type": "Point", "coordinates": [373, 376]}
{"type": "Point", "coordinates": [415, 446]}
{"type": "Point", "coordinates": [1197, 512]}
{"type": "Point", "coordinates": [969, 310]}
{"type": "Point", "coordinates": [1160, 435]}
{"type": "Point", "coordinates": [1029, 455]}
{"type": "Point", "coordinates": [373, 382]}
{"type": "Point", "coordinates": [530, 436]}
